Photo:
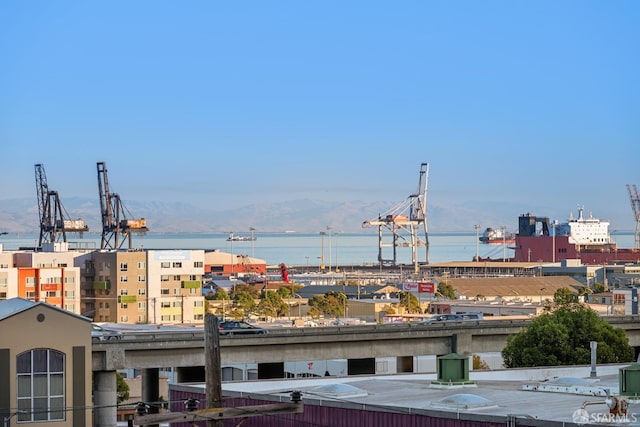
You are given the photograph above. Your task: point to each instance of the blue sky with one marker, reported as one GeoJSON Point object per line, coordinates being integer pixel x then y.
{"type": "Point", "coordinates": [230, 103]}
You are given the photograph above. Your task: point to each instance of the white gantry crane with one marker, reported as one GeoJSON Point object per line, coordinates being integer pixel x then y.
{"type": "Point", "coordinates": [635, 205]}
{"type": "Point", "coordinates": [403, 222]}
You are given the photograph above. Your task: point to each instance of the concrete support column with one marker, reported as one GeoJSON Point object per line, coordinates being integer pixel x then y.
{"type": "Point", "coordinates": [105, 399]}
{"type": "Point", "coordinates": [151, 389]}
{"type": "Point", "coordinates": [461, 343]}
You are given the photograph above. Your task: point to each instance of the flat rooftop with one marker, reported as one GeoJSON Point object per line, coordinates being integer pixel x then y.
{"type": "Point", "coordinates": [547, 395]}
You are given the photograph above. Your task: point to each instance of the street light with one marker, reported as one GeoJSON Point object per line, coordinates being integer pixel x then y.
{"type": "Point", "coordinates": [252, 240]}
{"type": "Point", "coordinates": [336, 239]}
{"type": "Point", "coordinates": [329, 228]}
{"type": "Point", "coordinates": [504, 243]}
{"type": "Point", "coordinates": [322, 233]}
{"type": "Point", "coordinates": [477, 227]}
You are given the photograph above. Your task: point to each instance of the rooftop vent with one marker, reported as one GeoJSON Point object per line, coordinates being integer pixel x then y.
{"type": "Point", "coordinates": [337, 391]}
{"type": "Point", "coordinates": [462, 401]}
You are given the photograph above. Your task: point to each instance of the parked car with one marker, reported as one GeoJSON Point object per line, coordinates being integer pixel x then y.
{"type": "Point", "coordinates": [237, 327]}
{"type": "Point", "coordinates": [102, 334]}
{"type": "Point", "coordinates": [454, 318]}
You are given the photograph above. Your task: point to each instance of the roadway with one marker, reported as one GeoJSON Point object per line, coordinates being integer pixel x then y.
{"type": "Point", "coordinates": [184, 347]}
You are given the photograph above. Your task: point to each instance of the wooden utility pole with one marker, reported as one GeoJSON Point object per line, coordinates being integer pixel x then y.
{"type": "Point", "coordinates": [212, 366]}
{"type": "Point", "coordinates": [215, 413]}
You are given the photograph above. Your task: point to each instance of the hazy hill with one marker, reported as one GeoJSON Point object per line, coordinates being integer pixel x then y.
{"type": "Point", "coordinates": [21, 215]}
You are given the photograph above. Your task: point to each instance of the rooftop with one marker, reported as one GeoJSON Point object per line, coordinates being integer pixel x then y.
{"type": "Point", "coordinates": [553, 394]}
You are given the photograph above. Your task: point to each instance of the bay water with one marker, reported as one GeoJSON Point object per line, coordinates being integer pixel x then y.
{"type": "Point", "coordinates": [306, 249]}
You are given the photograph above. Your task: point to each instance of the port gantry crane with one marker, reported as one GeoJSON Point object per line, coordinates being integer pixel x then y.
{"type": "Point", "coordinates": [54, 224]}
{"type": "Point", "coordinates": [403, 222]}
{"type": "Point", "coordinates": [116, 227]}
{"type": "Point", "coordinates": [635, 205]}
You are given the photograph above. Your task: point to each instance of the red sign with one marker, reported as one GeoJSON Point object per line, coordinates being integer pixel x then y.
{"type": "Point", "coordinates": [421, 287]}
{"type": "Point", "coordinates": [426, 287]}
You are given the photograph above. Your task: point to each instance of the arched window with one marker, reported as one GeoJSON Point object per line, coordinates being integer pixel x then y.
{"type": "Point", "coordinates": [41, 385]}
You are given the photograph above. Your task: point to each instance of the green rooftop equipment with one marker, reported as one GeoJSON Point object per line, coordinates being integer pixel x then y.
{"type": "Point", "coordinates": [629, 379]}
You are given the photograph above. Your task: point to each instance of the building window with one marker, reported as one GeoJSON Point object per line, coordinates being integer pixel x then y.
{"type": "Point", "coordinates": [176, 278]}
{"type": "Point", "coordinates": [142, 278]}
{"type": "Point", "coordinates": [164, 291]}
{"type": "Point", "coordinates": [40, 385]}
{"type": "Point", "coordinates": [192, 277]}
{"type": "Point", "coordinates": [124, 266]}
{"type": "Point", "coordinates": [177, 264]}
{"type": "Point", "coordinates": [124, 319]}
{"type": "Point", "coordinates": [164, 278]}
{"type": "Point", "coordinates": [142, 306]}
{"type": "Point", "coordinates": [142, 291]}
{"type": "Point", "coordinates": [124, 291]}
{"type": "Point", "coordinates": [124, 305]}
{"type": "Point", "coordinates": [198, 264]}
{"type": "Point", "coordinates": [124, 279]}
{"type": "Point", "coordinates": [165, 264]}
{"type": "Point", "coordinates": [165, 304]}
{"type": "Point", "coordinates": [141, 265]}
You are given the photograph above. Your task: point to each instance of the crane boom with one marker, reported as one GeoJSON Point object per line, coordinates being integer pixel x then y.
{"type": "Point", "coordinates": [403, 222]}
{"type": "Point", "coordinates": [116, 227]}
{"type": "Point", "coordinates": [635, 206]}
{"type": "Point", "coordinates": [54, 224]}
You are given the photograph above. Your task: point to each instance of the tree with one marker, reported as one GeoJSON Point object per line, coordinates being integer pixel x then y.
{"type": "Point", "coordinates": [220, 294]}
{"type": "Point", "coordinates": [122, 388]}
{"type": "Point", "coordinates": [272, 305]}
{"type": "Point", "coordinates": [330, 304]}
{"type": "Point", "coordinates": [409, 302]}
{"type": "Point", "coordinates": [446, 290]}
{"type": "Point", "coordinates": [246, 288]}
{"type": "Point", "coordinates": [563, 336]}
{"type": "Point", "coordinates": [598, 288]}
{"type": "Point", "coordinates": [245, 301]}
{"type": "Point", "coordinates": [564, 296]}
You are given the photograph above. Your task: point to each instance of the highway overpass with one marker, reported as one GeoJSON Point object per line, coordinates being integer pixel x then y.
{"type": "Point", "coordinates": [365, 349]}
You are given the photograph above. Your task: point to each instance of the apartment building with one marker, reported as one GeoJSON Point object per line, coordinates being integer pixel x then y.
{"type": "Point", "coordinates": [150, 286]}
{"type": "Point", "coordinates": [175, 286]}
{"type": "Point", "coordinates": [51, 276]}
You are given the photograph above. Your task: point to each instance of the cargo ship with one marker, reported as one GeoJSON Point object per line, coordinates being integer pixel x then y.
{"type": "Point", "coordinates": [497, 236]}
{"type": "Point", "coordinates": [586, 239]}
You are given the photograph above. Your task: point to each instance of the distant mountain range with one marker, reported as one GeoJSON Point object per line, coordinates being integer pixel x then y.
{"type": "Point", "coordinates": [304, 216]}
